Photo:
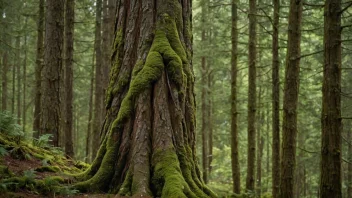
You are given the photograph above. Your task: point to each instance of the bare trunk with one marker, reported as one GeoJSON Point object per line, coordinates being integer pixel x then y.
{"type": "Point", "coordinates": [149, 147]}
{"type": "Point", "coordinates": [260, 142]}
{"type": "Point", "coordinates": [98, 94]}
{"type": "Point", "coordinates": [289, 125]}
{"type": "Point", "coordinates": [69, 30]}
{"type": "Point", "coordinates": [38, 70]}
{"type": "Point", "coordinates": [90, 114]}
{"type": "Point", "coordinates": [330, 181]}
{"type": "Point", "coordinates": [349, 169]}
{"type": "Point", "coordinates": [276, 102]}
{"type": "Point", "coordinates": [4, 81]}
{"type": "Point", "coordinates": [18, 75]}
{"type": "Point", "coordinates": [50, 114]}
{"type": "Point", "coordinates": [236, 176]}
{"type": "Point", "coordinates": [24, 103]}
{"type": "Point", "coordinates": [252, 56]}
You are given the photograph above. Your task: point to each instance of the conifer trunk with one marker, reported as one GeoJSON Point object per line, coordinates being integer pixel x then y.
{"type": "Point", "coordinates": [38, 69]}
{"type": "Point", "coordinates": [275, 102]}
{"type": "Point", "coordinates": [4, 81]}
{"type": "Point", "coordinates": [90, 113]}
{"type": "Point", "coordinates": [234, 133]}
{"type": "Point", "coordinates": [69, 30]}
{"type": "Point", "coordinates": [289, 125]}
{"type": "Point", "coordinates": [50, 114]}
{"type": "Point", "coordinates": [149, 146]}
{"type": "Point", "coordinates": [251, 121]}
{"type": "Point", "coordinates": [19, 77]}
{"type": "Point", "coordinates": [330, 181]}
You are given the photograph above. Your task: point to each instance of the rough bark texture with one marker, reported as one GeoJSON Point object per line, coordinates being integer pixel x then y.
{"type": "Point", "coordinates": [236, 177]}
{"type": "Point", "coordinates": [252, 55]}
{"type": "Point", "coordinates": [289, 125]}
{"type": "Point", "coordinates": [38, 69]}
{"type": "Point", "coordinates": [69, 30]}
{"type": "Point", "coordinates": [98, 93]}
{"type": "Point", "coordinates": [50, 114]}
{"type": "Point", "coordinates": [149, 146]}
{"type": "Point", "coordinates": [275, 102]}
{"type": "Point", "coordinates": [330, 181]}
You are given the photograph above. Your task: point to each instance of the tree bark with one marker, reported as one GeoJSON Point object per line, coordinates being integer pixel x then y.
{"type": "Point", "coordinates": [260, 141]}
{"type": "Point", "coordinates": [69, 35]}
{"type": "Point", "coordinates": [90, 113]}
{"type": "Point", "coordinates": [236, 176]}
{"type": "Point", "coordinates": [24, 102]}
{"type": "Point", "coordinates": [98, 94]}
{"type": "Point", "coordinates": [38, 70]}
{"type": "Point", "coordinates": [252, 55]}
{"type": "Point", "coordinates": [4, 81]}
{"type": "Point", "coordinates": [330, 181]}
{"type": "Point", "coordinates": [289, 125]}
{"type": "Point", "coordinates": [276, 102]}
{"type": "Point", "coordinates": [18, 75]}
{"type": "Point", "coordinates": [50, 114]}
{"type": "Point", "coordinates": [149, 146]}
{"type": "Point", "coordinates": [349, 168]}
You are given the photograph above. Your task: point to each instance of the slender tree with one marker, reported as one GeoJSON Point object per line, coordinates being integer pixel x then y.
{"type": "Point", "coordinates": [90, 112]}
{"type": "Point", "coordinates": [4, 81]}
{"type": "Point", "coordinates": [236, 176]}
{"type": "Point", "coordinates": [149, 147]}
{"type": "Point", "coordinates": [349, 168]}
{"type": "Point", "coordinates": [24, 100]}
{"type": "Point", "coordinates": [330, 181]}
{"type": "Point", "coordinates": [275, 102]}
{"type": "Point", "coordinates": [289, 125]}
{"type": "Point", "coordinates": [19, 77]}
{"type": "Point", "coordinates": [98, 94]}
{"type": "Point", "coordinates": [38, 69]}
{"type": "Point", "coordinates": [50, 114]}
{"type": "Point", "coordinates": [69, 30]}
{"type": "Point", "coordinates": [252, 55]}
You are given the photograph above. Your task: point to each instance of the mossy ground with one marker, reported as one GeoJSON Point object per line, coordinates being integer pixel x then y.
{"type": "Point", "coordinates": [30, 171]}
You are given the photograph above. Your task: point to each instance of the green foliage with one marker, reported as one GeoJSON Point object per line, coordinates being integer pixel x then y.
{"type": "Point", "coordinates": [3, 151]}
{"type": "Point", "coordinates": [43, 140]}
{"type": "Point", "coordinates": [9, 126]}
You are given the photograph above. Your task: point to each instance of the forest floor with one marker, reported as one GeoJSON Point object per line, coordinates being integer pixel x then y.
{"type": "Point", "coordinates": [34, 169]}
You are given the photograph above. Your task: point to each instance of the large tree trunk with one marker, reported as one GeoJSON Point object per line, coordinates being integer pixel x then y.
{"type": "Point", "coordinates": [289, 125]}
{"type": "Point", "coordinates": [38, 70]}
{"type": "Point", "coordinates": [50, 115]}
{"type": "Point", "coordinates": [236, 176]}
{"type": "Point", "coordinates": [149, 146]}
{"type": "Point", "coordinates": [276, 102]}
{"type": "Point", "coordinates": [69, 30]}
{"type": "Point", "coordinates": [252, 56]}
{"type": "Point", "coordinates": [330, 181]}
{"type": "Point", "coordinates": [98, 94]}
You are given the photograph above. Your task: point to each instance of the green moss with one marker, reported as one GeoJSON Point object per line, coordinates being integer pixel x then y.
{"type": "Point", "coordinates": [53, 169]}
{"type": "Point", "coordinates": [125, 189]}
{"type": "Point", "coordinates": [5, 172]}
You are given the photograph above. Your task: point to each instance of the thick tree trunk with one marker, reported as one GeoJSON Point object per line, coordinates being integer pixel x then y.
{"type": "Point", "coordinates": [236, 176]}
{"type": "Point", "coordinates": [38, 70]}
{"type": "Point", "coordinates": [252, 55]}
{"type": "Point", "coordinates": [276, 102]}
{"type": "Point", "coordinates": [289, 125]}
{"type": "Point", "coordinates": [330, 181]}
{"type": "Point", "coordinates": [149, 147]}
{"type": "Point", "coordinates": [98, 94]}
{"type": "Point", "coordinates": [69, 30]}
{"type": "Point", "coordinates": [50, 114]}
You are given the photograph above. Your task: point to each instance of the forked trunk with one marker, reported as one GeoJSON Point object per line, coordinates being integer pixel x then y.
{"type": "Point", "coordinates": [149, 143]}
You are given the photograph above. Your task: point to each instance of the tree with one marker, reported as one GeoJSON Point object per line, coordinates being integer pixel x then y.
{"type": "Point", "coordinates": [276, 101]}
{"type": "Point", "coordinates": [330, 181]}
{"type": "Point", "coordinates": [291, 88]}
{"type": "Point", "coordinates": [38, 70]}
{"type": "Point", "coordinates": [251, 121]}
{"type": "Point", "coordinates": [236, 176]}
{"type": "Point", "coordinates": [69, 30]}
{"type": "Point", "coordinates": [98, 92]}
{"type": "Point", "coordinates": [50, 114]}
{"type": "Point", "coordinates": [149, 146]}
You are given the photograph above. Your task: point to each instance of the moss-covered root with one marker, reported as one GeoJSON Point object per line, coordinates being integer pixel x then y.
{"type": "Point", "coordinates": [168, 180]}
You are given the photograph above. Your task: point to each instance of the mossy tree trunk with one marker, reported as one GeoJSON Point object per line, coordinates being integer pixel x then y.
{"type": "Point", "coordinates": [149, 143]}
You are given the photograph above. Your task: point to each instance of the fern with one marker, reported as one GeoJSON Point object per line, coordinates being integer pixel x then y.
{"type": "Point", "coordinates": [9, 126]}
{"type": "Point", "coordinates": [3, 151]}
{"type": "Point", "coordinates": [43, 141]}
